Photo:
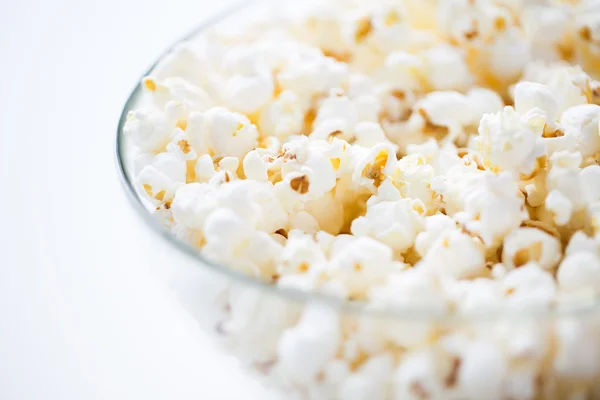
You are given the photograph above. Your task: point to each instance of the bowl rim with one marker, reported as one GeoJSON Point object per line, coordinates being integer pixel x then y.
{"type": "Point", "coordinates": [412, 314]}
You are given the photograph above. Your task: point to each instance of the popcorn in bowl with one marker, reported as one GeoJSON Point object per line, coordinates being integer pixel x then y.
{"type": "Point", "coordinates": [385, 199]}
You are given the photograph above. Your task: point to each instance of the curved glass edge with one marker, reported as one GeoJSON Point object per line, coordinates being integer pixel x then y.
{"type": "Point", "coordinates": [290, 294]}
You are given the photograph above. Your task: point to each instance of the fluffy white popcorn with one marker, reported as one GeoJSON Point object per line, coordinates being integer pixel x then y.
{"type": "Point", "coordinates": [304, 222]}
{"type": "Point", "coordinates": [189, 62]}
{"type": "Point", "coordinates": [579, 272]}
{"type": "Point", "coordinates": [482, 371]}
{"type": "Point", "coordinates": [530, 244]}
{"type": "Point", "coordinates": [327, 212]}
{"type": "Point", "coordinates": [305, 349]}
{"type": "Point", "coordinates": [371, 381]}
{"type": "Point", "coordinates": [578, 349]}
{"type": "Point", "coordinates": [300, 253]}
{"type": "Point", "coordinates": [150, 129]}
{"type": "Point", "coordinates": [313, 75]}
{"type": "Point", "coordinates": [193, 203]}
{"type": "Point", "coordinates": [222, 133]}
{"type": "Point", "coordinates": [494, 209]}
{"type": "Point", "coordinates": [248, 94]}
{"type": "Point", "coordinates": [204, 168]}
{"type": "Point", "coordinates": [395, 223]}
{"type": "Point", "coordinates": [307, 168]}
{"type": "Point", "coordinates": [582, 123]}
{"type": "Point", "coordinates": [508, 68]}
{"type": "Point", "coordinates": [479, 294]}
{"type": "Point", "coordinates": [419, 376]}
{"type": "Point", "coordinates": [455, 254]}
{"type": "Point", "coordinates": [564, 176]}
{"type": "Point", "coordinates": [435, 227]}
{"type": "Point", "coordinates": [591, 185]}
{"type": "Point", "coordinates": [445, 109]}
{"type": "Point", "coordinates": [232, 240]}
{"type": "Point", "coordinates": [177, 89]}
{"type": "Point", "coordinates": [283, 117]}
{"type": "Point", "coordinates": [560, 206]}
{"type": "Point", "coordinates": [369, 134]}
{"type": "Point", "coordinates": [546, 27]}
{"type": "Point", "coordinates": [364, 262]}
{"type": "Point", "coordinates": [255, 167]}
{"type": "Point", "coordinates": [362, 152]}
{"type": "Point", "coordinates": [351, 119]}
{"type": "Point", "coordinates": [482, 101]}
{"type": "Point", "coordinates": [446, 69]}
{"type": "Point", "coordinates": [413, 176]}
{"type": "Point", "coordinates": [530, 286]}
{"type": "Point", "coordinates": [160, 179]}
{"type": "Point", "coordinates": [403, 70]}
{"type": "Point", "coordinates": [535, 96]}
{"type": "Point", "coordinates": [509, 141]}
{"type": "Point", "coordinates": [412, 288]}
{"type": "Point", "coordinates": [372, 168]}
{"type": "Point", "coordinates": [181, 146]}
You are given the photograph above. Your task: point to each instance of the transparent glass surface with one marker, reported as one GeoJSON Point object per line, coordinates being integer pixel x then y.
{"type": "Point", "coordinates": [318, 347]}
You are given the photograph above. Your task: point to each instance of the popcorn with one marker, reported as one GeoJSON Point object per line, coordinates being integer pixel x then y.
{"type": "Point", "coordinates": [327, 212]}
{"type": "Point", "coordinates": [372, 169]}
{"type": "Point", "coordinates": [482, 371]}
{"type": "Point", "coordinates": [283, 117]}
{"type": "Point", "coordinates": [418, 377]}
{"type": "Point", "coordinates": [578, 349]}
{"type": "Point", "coordinates": [564, 176]}
{"type": "Point", "coordinates": [364, 152]}
{"type": "Point", "coordinates": [312, 76]}
{"type": "Point", "coordinates": [193, 203]}
{"type": "Point", "coordinates": [494, 209]}
{"type": "Point", "coordinates": [455, 254]}
{"type": "Point", "coordinates": [510, 142]}
{"type": "Point", "coordinates": [413, 175]}
{"type": "Point", "coordinates": [348, 119]}
{"type": "Point", "coordinates": [582, 123]}
{"type": "Point", "coordinates": [525, 245]}
{"type": "Point", "coordinates": [231, 240]}
{"type": "Point", "coordinates": [395, 223]}
{"type": "Point", "coordinates": [579, 271]}
{"type": "Point", "coordinates": [179, 90]}
{"type": "Point", "coordinates": [548, 28]}
{"type": "Point", "coordinates": [249, 93]}
{"type": "Point", "coordinates": [412, 288]}
{"type": "Point", "coordinates": [446, 69]}
{"type": "Point", "coordinates": [370, 381]}
{"type": "Point", "coordinates": [180, 145]}
{"type": "Point", "coordinates": [255, 167]}
{"type": "Point", "coordinates": [403, 70]}
{"type": "Point", "coordinates": [529, 286]}
{"type": "Point", "coordinates": [534, 96]}
{"type": "Point", "coordinates": [310, 344]}
{"type": "Point", "coordinates": [163, 177]}
{"type": "Point", "coordinates": [223, 132]}
{"type": "Point", "coordinates": [150, 129]}
{"type": "Point", "coordinates": [187, 62]}
{"type": "Point", "coordinates": [204, 168]}
{"type": "Point", "coordinates": [435, 227]}
{"type": "Point", "coordinates": [560, 206]}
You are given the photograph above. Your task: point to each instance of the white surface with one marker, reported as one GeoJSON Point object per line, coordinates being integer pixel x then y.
{"type": "Point", "coordinates": [80, 319]}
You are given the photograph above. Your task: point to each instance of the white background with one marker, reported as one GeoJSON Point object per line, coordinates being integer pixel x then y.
{"type": "Point", "coordinates": [80, 318]}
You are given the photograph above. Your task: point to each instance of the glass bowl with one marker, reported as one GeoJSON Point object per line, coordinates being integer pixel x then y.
{"type": "Point", "coordinates": [318, 347]}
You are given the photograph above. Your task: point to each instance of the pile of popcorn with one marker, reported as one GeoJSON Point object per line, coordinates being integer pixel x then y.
{"type": "Point", "coordinates": [435, 155]}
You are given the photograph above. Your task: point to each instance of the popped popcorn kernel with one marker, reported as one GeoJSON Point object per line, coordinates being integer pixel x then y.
{"type": "Point", "coordinates": [433, 165]}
